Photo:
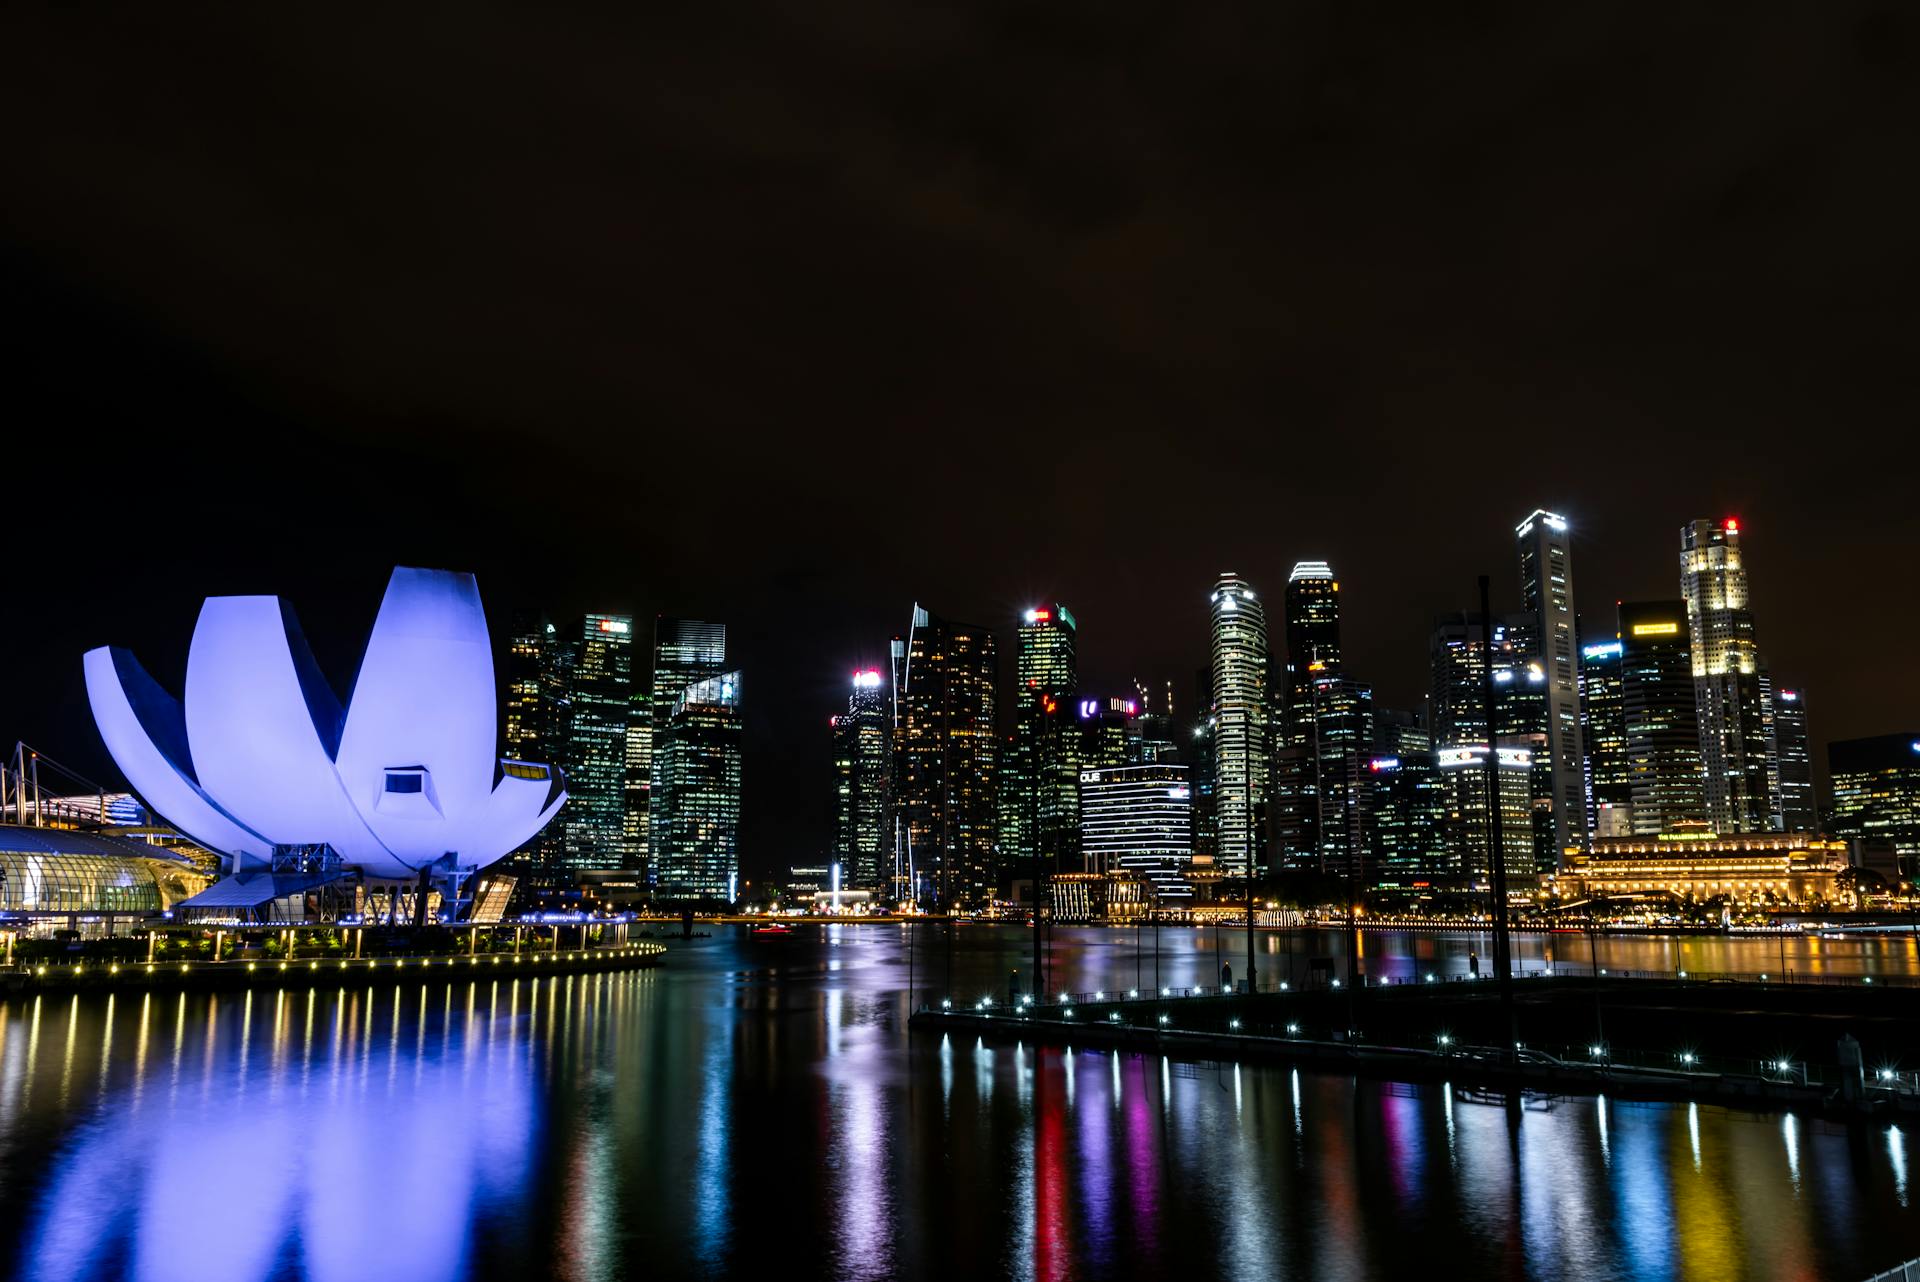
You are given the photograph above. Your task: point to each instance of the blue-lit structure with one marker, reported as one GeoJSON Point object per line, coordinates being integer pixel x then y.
{"type": "Point", "coordinates": [262, 762]}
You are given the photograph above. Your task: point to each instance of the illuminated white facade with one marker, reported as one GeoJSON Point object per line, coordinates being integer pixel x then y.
{"type": "Point", "coordinates": [1546, 588]}
{"type": "Point", "coordinates": [1240, 742]}
{"type": "Point", "coordinates": [1138, 820]}
{"type": "Point", "coordinates": [261, 755]}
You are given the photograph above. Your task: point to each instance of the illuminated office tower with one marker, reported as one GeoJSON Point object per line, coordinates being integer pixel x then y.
{"type": "Point", "coordinates": [1107, 731]}
{"type": "Point", "coordinates": [696, 793]}
{"type": "Point", "coordinates": [599, 686]}
{"type": "Point", "coordinates": [1457, 654]}
{"type": "Point", "coordinates": [1325, 733]}
{"type": "Point", "coordinates": [1320, 784]}
{"type": "Point", "coordinates": [639, 776]}
{"type": "Point", "coordinates": [1459, 676]}
{"type": "Point", "coordinates": [536, 719]}
{"type": "Point", "coordinates": [1662, 727]}
{"type": "Point", "coordinates": [1197, 750]}
{"type": "Point", "coordinates": [684, 651]}
{"type": "Point", "coordinates": [1463, 776]}
{"type": "Point", "coordinates": [862, 764]}
{"type": "Point", "coordinates": [1240, 664]}
{"type": "Point", "coordinates": [1876, 793]}
{"type": "Point", "coordinates": [1406, 806]}
{"type": "Point", "coordinates": [1313, 643]}
{"type": "Point", "coordinates": [533, 695]}
{"type": "Point", "coordinates": [1793, 801]}
{"type": "Point", "coordinates": [1039, 784]}
{"type": "Point", "coordinates": [1603, 723]}
{"type": "Point", "coordinates": [1151, 735]}
{"type": "Point", "coordinates": [1546, 593]}
{"type": "Point", "coordinates": [1520, 721]}
{"type": "Point", "coordinates": [1138, 819]}
{"type": "Point", "coordinates": [1729, 679]}
{"type": "Point", "coordinates": [1099, 734]}
{"type": "Point", "coordinates": [944, 753]}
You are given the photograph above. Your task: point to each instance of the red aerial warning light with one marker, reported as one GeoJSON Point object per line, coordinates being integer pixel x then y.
{"type": "Point", "coordinates": [1733, 525]}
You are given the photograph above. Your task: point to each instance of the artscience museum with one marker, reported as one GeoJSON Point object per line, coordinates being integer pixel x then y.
{"type": "Point", "coordinates": [320, 806]}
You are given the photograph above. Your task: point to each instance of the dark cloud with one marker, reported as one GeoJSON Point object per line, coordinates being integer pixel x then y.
{"type": "Point", "coordinates": [792, 315]}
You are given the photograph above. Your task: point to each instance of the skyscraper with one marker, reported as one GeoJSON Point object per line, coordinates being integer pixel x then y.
{"type": "Point", "coordinates": [533, 694]}
{"type": "Point", "coordinates": [1197, 750]}
{"type": "Point", "coordinates": [536, 719]}
{"type": "Point", "coordinates": [599, 688]}
{"type": "Point", "coordinates": [1603, 721]}
{"type": "Point", "coordinates": [1662, 728]}
{"type": "Point", "coordinates": [695, 816]}
{"type": "Point", "coordinates": [684, 651]}
{"type": "Point", "coordinates": [1325, 735]}
{"type": "Point", "coordinates": [1520, 722]}
{"type": "Point", "coordinates": [1729, 680]}
{"type": "Point", "coordinates": [1794, 806]}
{"type": "Point", "coordinates": [1406, 810]}
{"type": "Point", "coordinates": [1039, 810]}
{"type": "Point", "coordinates": [1463, 779]}
{"type": "Point", "coordinates": [1138, 819]}
{"type": "Point", "coordinates": [862, 765]}
{"type": "Point", "coordinates": [1876, 793]}
{"type": "Point", "coordinates": [1458, 668]}
{"type": "Point", "coordinates": [1546, 593]}
{"type": "Point", "coordinates": [1240, 745]}
{"type": "Point", "coordinates": [639, 819]}
{"type": "Point", "coordinates": [1313, 640]}
{"type": "Point", "coordinates": [1152, 734]}
{"type": "Point", "coordinates": [1458, 655]}
{"type": "Point", "coordinates": [1106, 731]}
{"type": "Point", "coordinates": [944, 755]}
{"type": "Point", "coordinates": [1333, 763]}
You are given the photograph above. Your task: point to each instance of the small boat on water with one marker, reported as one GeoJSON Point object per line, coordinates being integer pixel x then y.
{"type": "Point", "coordinates": [773, 930]}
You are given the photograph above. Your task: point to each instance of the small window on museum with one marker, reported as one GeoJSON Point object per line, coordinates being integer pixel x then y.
{"type": "Point", "coordinates": [407, 781]}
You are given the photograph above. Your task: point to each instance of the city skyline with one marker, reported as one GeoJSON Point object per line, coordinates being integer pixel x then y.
{"type": "Point", "coordinates": [760, 860]}
{"type": "Point", "coordinates": [1068, 640]}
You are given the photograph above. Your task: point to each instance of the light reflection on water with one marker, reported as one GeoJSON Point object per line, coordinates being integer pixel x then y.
{"type": "Point", "coordinates": [755, 1106]}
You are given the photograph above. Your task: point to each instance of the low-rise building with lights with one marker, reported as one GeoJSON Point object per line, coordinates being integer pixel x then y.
{"type": "Point", "coordinates": [1755, 870]}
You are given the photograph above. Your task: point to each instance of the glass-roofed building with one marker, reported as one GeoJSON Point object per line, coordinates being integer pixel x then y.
{"type": "Point", "coordinates": [61, 873]}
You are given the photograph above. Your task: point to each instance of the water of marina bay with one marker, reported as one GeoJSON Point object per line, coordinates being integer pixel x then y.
{"type": "Point", "coordinates": [758, 1105]}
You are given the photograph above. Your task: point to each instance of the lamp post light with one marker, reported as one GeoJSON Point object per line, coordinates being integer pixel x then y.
{"type": "Point", "coordinates": [1593, 955]}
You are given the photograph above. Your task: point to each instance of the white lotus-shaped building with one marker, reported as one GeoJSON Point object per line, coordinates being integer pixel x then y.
{"type": "Point", "coordinates": [261, 756]}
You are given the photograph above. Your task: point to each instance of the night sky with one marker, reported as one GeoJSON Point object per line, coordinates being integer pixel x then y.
{"type": "Point", "coordinates": [792, 317]}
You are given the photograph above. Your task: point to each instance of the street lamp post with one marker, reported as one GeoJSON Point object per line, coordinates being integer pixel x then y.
{"type": "Point", "coordinates": [1593, 957]}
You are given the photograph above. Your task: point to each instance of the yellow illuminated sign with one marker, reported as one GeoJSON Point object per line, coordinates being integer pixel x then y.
{"type": "Point", "coordinates": [1656, 629]}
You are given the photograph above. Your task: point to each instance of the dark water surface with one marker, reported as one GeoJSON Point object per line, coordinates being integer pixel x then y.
{"type": "Point", "coordinates": [755, 1109]}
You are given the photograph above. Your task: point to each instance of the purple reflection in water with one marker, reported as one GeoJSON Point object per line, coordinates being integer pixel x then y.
{"type": "Point", "coordinates": [374, 1163]}
{"type": "Point", "coordinates": [1092, 1120]}
{"type": "Point", "coordinates": [1143, 1159]}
